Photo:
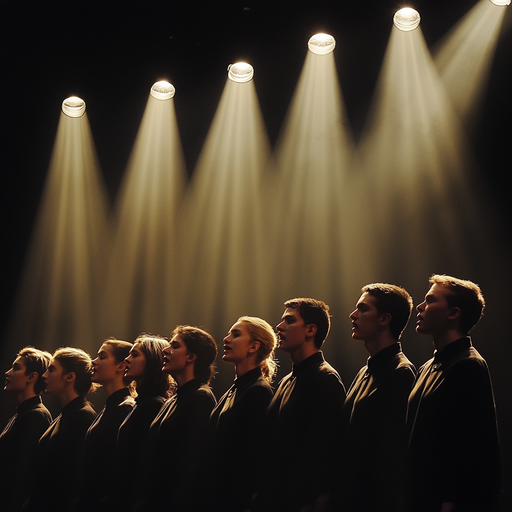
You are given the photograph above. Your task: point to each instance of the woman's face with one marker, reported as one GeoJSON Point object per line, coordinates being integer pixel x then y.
{"type": "Point", "coordinates": [105, 365]}
{"type": "Point", "coordinates": [135, 364]}
{"type": "Point", "coordinates": [238, 344]}
{"type": "Point", "coordinates": [55, 378]}
{"type": "Point", "coordinates": [176, 357]}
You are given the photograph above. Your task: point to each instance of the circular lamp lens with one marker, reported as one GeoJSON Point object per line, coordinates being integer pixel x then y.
{"type": "Point", "coordinates": [240, 72]}
{"type": "Point", "coordinates": [406, 19]}
{"type": "Point", "coordinates": [162, 90]}
{"type": "Point", "coordinates": [321, 44]}
{"type": "Point", "coordinates": [73, 107]}
{"type": "Point", "coordinates": [500, 2]}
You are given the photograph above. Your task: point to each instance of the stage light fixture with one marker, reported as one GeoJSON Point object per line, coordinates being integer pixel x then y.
{"type": "Point", "coordinates": [240, 72]}
{"type": "Point", "coordinates": [162, 90]}
{"type": "Point", "coordinates": [321, 44]}
{"type": "Point", "coordinates": [73, 106]}
{"type": "Point", "coordinates": [500, 2]}
{"type": "Point", "coordinates": [406, 19]}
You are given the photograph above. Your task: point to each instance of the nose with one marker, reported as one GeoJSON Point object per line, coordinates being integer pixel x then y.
{"type": "Point", "coordinates": [227, 339]}
{"type": "Point", "coordinates": [45, 375]}
{"type": "Point", "coordinates": [95, 360]}
{"type": "Point", "coordinates": [280, 326]}
{"type": "Point", "coordinates": [420, 307]}
{"type": "Point", "coordinates": [353, 315]}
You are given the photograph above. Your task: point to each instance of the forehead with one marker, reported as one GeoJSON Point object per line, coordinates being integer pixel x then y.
{"type": "Point", "coordinates": [19, 361]}
{"type": "Point", "coordinates": [55, 363]}
{"type": "Point", "coordinates": [438, 291]}
{"type": "Point", "coordinates": [106, 347]}
{"type": "Point", "coordinates": [177, 339]}
{"type": "Point", "coordinates": [292, 312]}
{"type": "Point", "coordinates": [239, 326]}
{"type": "Point", "coordinates": [366, 298]}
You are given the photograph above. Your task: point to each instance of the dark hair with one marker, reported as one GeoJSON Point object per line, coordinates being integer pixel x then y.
{"type": "Point", "coordinates": [394, 300]}
{"type": "Point", "coordinates": [79, 362]}
{"type": "Point", "coordinates": [315, 312]}
{"type": "Point", "coordinates": [201, 344]}
{"type": "Point", "coordinates": [465, 295]}
{"type": "Point", "coordinates": [36, 361]}
{"type": "Point", "coordinates": [120, 351]}
{"type": "Point", "coordinates": [155, 382]}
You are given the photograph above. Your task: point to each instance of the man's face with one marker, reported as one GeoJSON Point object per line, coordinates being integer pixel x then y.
{"type": "Point", "coordinates": [433, 312]}
{"type": "Point", "coordinates": [291, 331]}
{"type": "Point", "coordinates": [365, 318]}
{"type": "Point", "coordinates": [15, 378]}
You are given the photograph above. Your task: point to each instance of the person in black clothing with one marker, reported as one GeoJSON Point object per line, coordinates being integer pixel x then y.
{"type": "Point", "coordinates": [144, 366]}
{"type": "Point", "coordinates": [18, 440]}
{"type": "Point", "coordinates": [69, 378]}
{"type": "Point", "coordinates": [303, 417]}
{"type": "Point", "coordinates": [453, 458]}
{"type": "Point", "coordinates": [98, 457]}
{"type": "Point", "coordinates": [178, 434]}
{"type": "Point", "coordinates": [237, 421]}
{"type": "Point", "coordinates": [374, 437]}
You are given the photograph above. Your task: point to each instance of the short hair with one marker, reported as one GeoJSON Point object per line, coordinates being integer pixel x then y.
{"type": "Point", "coordinates": [155, 381]}
{"type": "Point", "coordinates": [80, 363]}
{"type": "Point", "coordinates": [394, 300]}
{"type": "Point", "coordinates": [120, 351]}
{"type": "Point", "coordinates": [201, 344]}
{"type": "Point", "coordinates": [465, 295]}
{"type": "Point", "coordinates": [36, 361]}
{"type": "Point", "coordinates": [314, 312]}
{"type": "Point", "coordinates": [262, 331]}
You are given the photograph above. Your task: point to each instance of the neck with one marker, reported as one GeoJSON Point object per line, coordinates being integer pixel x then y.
{"type": "Point", "coordinates": [443, 339]}
{"type": "Point", "coordinates": [184, 376]}
{"type": "Point", "coordinates": [112, 387]}
{"type": "Point", "coordinates": [67, 396]}
{"type": "Point", "coordinates": [244, 366]}
{"type": "Point", "coordinates": [375, 345]}
{"type": "Point", "coordinates": [25, 395]}
{"type": "Point", "coordinates": [303, 352]}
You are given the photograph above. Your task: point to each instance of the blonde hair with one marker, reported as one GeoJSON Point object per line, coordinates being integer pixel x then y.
{"type": "Point", "coordinates": [261, 331]}
{"type": "Point", "coordinates": [80, 363]}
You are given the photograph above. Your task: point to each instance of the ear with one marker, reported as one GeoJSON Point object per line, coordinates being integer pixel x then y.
{"type": "Point", "coordinates": [191, 357]}
{"type": "Point", "coordinates": [454, 313]}
{"type": "Point", "coordinates": [255, 346]}
{"type": "Point", "coordinates": [121, 367]}
{"type": "Point", "coordinates": [32, 377]}
{"type": "Point", "coordinates": [70, 377]}
{"type": "Point", "coordinates": [311, 330]}
{"type": "Point", "coordinates": [385, 319]}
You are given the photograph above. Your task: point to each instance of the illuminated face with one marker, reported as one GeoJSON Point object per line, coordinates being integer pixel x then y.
{"type": "Point", "coordinates": [176, 357]}
{"type": "Point", "coordinates": [104, 365]}
{"type": "Point", "coordinates": [365, 318]}
{"type": "Point", "coordinates": [291, 331]}
{"type": "Point", "coordinates": [433, 312]}
{"type": "Point", "coordinates": [237, 344]}
{"type": "Point", "coordinates": [15, 378]}
{"type": "Point", "coordinates": [135, 364]}
{"type": "Point", "coordinates": [55, 378]}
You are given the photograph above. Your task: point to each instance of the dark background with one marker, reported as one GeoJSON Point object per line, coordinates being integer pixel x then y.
{"type": "Point", "coordinates": [110, 53]}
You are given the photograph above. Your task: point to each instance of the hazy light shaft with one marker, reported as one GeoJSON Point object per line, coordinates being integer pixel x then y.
{"type": "Point", "coordinates": [57, 297]}
{"type": "Point", "coordinates": [139, 294]}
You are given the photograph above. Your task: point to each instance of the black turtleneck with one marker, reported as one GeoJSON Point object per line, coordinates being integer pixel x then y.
{"type": "Point", "coordinates": [453, 447]}
{"type": "Point", "coordinates": [374, 433]}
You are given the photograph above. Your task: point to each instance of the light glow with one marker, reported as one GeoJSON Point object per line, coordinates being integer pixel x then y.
{"type": "Point", "coordinates": [73, 106]}
{"type": "Point", "coordinates": [321, 44]}
{"type": "Point", "coordinates": [500, 2]}
{"type": "Point", "coordinates": [162, 90]}
{"type": "Point", "coordinates": [406, 19]}
{"type": "Point", "coordinates": [240, 72]}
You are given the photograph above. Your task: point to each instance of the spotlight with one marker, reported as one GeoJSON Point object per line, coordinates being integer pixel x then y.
{"type": "Point", "coordinates": [73, 107]}
{"type": "Point", "coordinates": [321, 44]}
{"type": "Point", "coordinates": [406, 19]}
{"type": "Point", "coordinates": [240, 72]}
{"type": "Point", "coordinates": [162, 90]}
{"type": "Point", "coordinates": [500, 2]}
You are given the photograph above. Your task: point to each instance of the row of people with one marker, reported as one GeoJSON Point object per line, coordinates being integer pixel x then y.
{"type": "Point", "coordinates": [397, 440]}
